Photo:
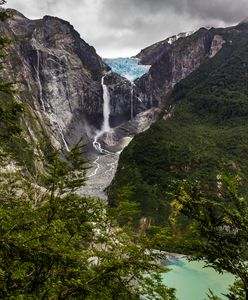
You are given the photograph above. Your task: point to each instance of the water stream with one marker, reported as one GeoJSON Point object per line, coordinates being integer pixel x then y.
{"type": "Point", "coordinates": [131, 104]}
{"type": "Point", "coordinates": [38, 80]}
{"type": "Point", "coordinates": [51, 116]}
{"type": "Point", "coordinates": [104, 163]}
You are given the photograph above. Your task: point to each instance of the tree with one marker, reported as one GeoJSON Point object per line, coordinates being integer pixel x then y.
{"type": "Point", "coordinates": [221, 221]}
{"type": "Point", "coordinates": [66, 246]}
{"type": "Point", "coordinates": [57, 244]}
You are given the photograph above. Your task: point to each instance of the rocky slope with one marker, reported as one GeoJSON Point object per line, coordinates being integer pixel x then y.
{"type": "Point", "coordinates": [172, 60]}
{"type": "Point", "coordinates": [61, 80]}
{"type": "Point", "coordinates": [202, 130]}
{"type": "Point", "coordinates": [59, 76]}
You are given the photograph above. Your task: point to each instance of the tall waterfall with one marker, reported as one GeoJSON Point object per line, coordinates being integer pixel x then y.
{"type": "Point", "coordinates": [131, 69]}
{"type": "Point", "coordinates": [131, 104]}
{"type": "Point", "coordinates": [63, 137]}
{"type": "Point", "coordinates": [38, 80]}
{"type": "Point", "coordinates": [51, 116]}
{"type": "Point", "coordinates": [109, 142]}
{"type": "Point", "coordinates": [106, 113]}
{"type": "Point", "coordinates": [106, 107]}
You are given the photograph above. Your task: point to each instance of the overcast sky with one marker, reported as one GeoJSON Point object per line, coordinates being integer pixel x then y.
{"type": "Point", "coordinates": [123, 27]}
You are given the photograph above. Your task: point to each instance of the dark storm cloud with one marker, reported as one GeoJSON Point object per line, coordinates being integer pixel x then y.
{"type": "Point", "coordinates": [126, 11]}
{"type": "Point", "coordinates": [123, 27]}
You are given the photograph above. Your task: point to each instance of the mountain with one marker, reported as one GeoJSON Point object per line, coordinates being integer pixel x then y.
{"type": "Point", "coordinates": [174, 59]}
{"type": "Point", "coordinates": [64, 87]}
{"type": "Point", "coordinates": [202, 128]}
{"type": "Point", "coordinates": [60, 78]}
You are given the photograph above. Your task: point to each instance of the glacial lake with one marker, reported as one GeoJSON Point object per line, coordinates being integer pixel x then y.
{"type": "Point", "coordinates": [192, 281]}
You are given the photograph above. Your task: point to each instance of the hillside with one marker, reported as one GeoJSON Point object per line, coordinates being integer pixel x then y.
{"type": "Point", "coordinates": [202, 130]}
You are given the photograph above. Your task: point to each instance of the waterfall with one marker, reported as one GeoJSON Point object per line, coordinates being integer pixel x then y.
{"type": "Point", "coordinates": [53, 118]}
{"type": "Point", "coordinates": [63, 137]}
{"type": "Point", "coordinates": [106, 113]}
{"type": "Point", "coordinates": [131, 100]}
{"type": "Point", "coordinates": [38, 80]}
{"type": "Point", "coordinates": [96, 144]}
{"type": "Point", "coordinates": [106, 106]}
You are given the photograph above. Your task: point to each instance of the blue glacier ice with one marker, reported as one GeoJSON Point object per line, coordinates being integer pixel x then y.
{"type": "Point", "coordinates": [127, 67]}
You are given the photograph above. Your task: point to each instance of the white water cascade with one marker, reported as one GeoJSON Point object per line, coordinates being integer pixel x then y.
{"type": "Point", "coordinates": [105, 159]}
{"type": "Point", "coordinates": [54, 120]}
{"type": "Point", "coordinates": [51, 116]}
{"type": "Point", "coordinates": [38, 79]}
{"type": "Point", "coordinates": [63, 137]}
{"type": "Point", "coordinates": [106, 106]}
{"type": "Point", "coordinates": [131, 100]}
{"type": "Point", "coordinates": [106, 113]}
{"type": "Point", "coordinates": [105, 163]}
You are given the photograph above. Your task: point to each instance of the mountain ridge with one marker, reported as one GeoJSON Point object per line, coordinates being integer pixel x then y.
{"type": "Point", "coordinates": [201, 131]}
{"type": "Point", "coordinates": [61, 78]}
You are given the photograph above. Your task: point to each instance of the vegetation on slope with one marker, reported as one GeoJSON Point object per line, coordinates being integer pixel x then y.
{"type": "Point", "coordinates": [55, 244]}
{"type": "Point", "coordinates": [207, 132]}
{"type": "Point", "coordinates": [221, 223]}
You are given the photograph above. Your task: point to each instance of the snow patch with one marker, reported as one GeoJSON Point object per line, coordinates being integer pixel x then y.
{"type": "Point", "coordinates": [174, 38]}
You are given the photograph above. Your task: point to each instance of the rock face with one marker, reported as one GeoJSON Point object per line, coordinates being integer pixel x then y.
{"type": "Point", "coordinates": [125, 100]}
{"type": "Point", "coordinates": [177, 57]}
{"type": "Point", "coordinates": [217, 44]}
{"type": "Point", "coordinates": [58, 72]}
{"type": "Point", "coordinates": [171, 62]}
{"type": "Point", "coordinates": [60, 76]}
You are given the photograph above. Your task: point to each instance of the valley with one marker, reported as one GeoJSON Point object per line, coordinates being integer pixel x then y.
{"type": "Point", "coordinates": [106, 156]}
{"type": "Point", "coordinates": [151, 130]}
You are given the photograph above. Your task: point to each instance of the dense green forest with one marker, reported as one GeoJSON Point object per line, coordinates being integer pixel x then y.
{"type": "Point", "coordinates": [202, 130]}
{"type": "Point", "coordinates": [174, 171]}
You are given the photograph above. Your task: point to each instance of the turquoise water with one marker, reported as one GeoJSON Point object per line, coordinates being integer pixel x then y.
{"type": "Point", "coordinates": [192, 281]}
{"type": "Point", "coordinates": [127, 67]}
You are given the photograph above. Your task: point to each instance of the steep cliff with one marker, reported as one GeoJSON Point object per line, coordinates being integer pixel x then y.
{"type": "Point", "coordinates": [177, 57]}
{"type": "Point", "coordinates": [203, 129]}
{"type": "Point", "coordinates": [60, 78]}
{"type": "Point", "coordinates": [171, 62]}
{"type": "Point", "coordinates": [58, 73]}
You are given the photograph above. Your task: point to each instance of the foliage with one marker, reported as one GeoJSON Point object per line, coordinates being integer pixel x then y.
{"type": "Point", "coordinates": [207, 130]}
{"type": "Point", "coordinates": [55, 244]}
{"type": "Point", "coordinates": [236, 291]}
{"type": "Point", "coordinates": [221, 221]}
{"type": "Point", "coordinates": [211, 296]}
{"type": "Point", "coordinates": [13, 143]}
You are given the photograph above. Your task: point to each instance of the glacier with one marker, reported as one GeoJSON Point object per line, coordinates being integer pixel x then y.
{"type": "Point", "coordinates": [127, 67]}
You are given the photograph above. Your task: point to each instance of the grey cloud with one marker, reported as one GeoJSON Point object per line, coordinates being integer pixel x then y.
{"type": "Point", "coordinates": [116, 27]}
{"type": "Point", "coordinates": [227, 11]}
